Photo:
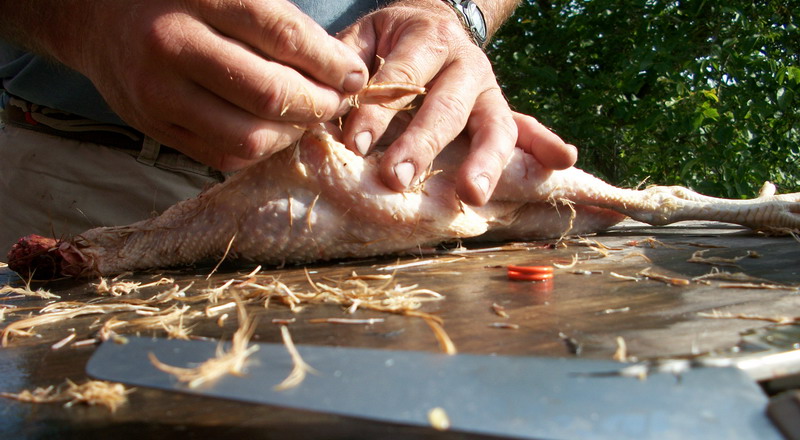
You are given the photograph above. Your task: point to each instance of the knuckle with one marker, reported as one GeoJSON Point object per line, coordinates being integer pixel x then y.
{"type": "Point", "coordinates": [285, 37]}
{"type": "Point", "coordinates": [505, 134]}
{"type": "Point", "coordinates": [506, 126]}
{"type": "Point", "coordinates": [168, 37]}
{"type": "Point", "coordinates": [251, 145]}
{"type": "Point", "coordinates": [271, 100]}
{"type": "Point", "coordinates": [404, 72]}
{"type": "Point", "coordinates": [260, 142]}
{"type": "Point", "coordinates": [428, 144]}
{"type": "Point", "coordinates": [452, 111]}
{"type": "Point", "coordinates": [482, 69]}
{"type": "Point", "coordinates": [497, 157]}
{"type": "Point", "coordinates": [442, 40]}
{"type": "Point", "coordinates": [277, 102]}
{"type": "Point", "coordinates": [156, 36]}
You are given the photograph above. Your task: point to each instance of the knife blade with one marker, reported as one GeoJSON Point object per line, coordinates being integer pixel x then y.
{"type": "Point", "coordinates": [510, 396]}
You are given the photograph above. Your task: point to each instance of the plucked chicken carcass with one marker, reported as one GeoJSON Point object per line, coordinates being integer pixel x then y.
{"type": "Point", "coordinates": [319, 201]}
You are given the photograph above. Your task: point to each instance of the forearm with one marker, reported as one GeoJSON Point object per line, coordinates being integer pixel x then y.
{"type": "Point", "coordinates": [496, 12]}
{"type": "Point", "coordinates": [53, 29]}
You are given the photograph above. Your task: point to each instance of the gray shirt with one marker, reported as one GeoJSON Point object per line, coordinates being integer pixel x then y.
{"type": "Point", "coordinates": [44, 82]}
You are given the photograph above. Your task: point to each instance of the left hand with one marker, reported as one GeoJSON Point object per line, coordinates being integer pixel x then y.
{"type": "Point", "coordinates": [423, 43]}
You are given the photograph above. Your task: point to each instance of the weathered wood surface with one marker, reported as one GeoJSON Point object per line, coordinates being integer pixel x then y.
{"type": "Point", "coordinates": [655, 319]}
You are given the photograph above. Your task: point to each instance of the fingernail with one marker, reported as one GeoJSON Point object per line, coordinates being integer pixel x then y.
{"type": "Point", "coordinates": [405, 172]}
{"type": "Point", "coordinates": [353, 82]}
{"type": "Point", "coordinates": [482, 183]}
{"type": "Point", "coordinates": [363, 141]}
{"type": "Point", "coordinates": [573, 147]}
{"type": "Point", "coordinates": [574, 156]}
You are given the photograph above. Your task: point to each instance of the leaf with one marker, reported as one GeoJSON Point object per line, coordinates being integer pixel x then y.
{"type": "Point", "coordinates": [784, 96]}
{"type": "Point", "coordinates": [710, 94]}
{"type": "Point", "coordinates": [697, 121]}
{"type": "Point", "coordinates": [793, 73]}
{"type": "Point", "coordinates": [711, 113]}
{"type": "Point", "coordinates": [687, 168]}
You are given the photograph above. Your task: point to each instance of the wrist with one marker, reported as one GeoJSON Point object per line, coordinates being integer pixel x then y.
{"type": "Point", "coordinates": [495, 12]}
{"type": "Point", "coordinates": [472, 18]}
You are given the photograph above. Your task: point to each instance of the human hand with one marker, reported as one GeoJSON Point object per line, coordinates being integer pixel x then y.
{"type": "Point", "coordinates": [423, 43]}
{"type": "Point", "coordinates": [222, 81]}
{"type": "Point", "coordinates": [532, 137]}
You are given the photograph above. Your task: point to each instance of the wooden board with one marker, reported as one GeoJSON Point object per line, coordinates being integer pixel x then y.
{"type": "Point", "coordinates": [654, 318]}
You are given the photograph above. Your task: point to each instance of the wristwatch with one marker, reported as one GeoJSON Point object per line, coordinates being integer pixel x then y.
{"type": "Point", "coordinates": [472, 18]}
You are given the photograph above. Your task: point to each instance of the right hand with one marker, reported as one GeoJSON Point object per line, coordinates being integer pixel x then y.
{"type": "Point", "coordinates": [537, 140]}
{"type": "Point", "coordinates": [224, 81]}
{"type": "Point", "coordinates": [421, 42]}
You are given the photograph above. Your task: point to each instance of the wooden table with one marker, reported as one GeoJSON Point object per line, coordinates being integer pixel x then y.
{"type": "Point", "coordinates": [654, 318]}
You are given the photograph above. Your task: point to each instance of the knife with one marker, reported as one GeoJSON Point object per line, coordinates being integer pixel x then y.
{"type": "Point", "coordinates": [509, 396]}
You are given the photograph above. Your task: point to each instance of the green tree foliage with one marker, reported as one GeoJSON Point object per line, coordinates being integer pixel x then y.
{"type": "Point", "coordinates": [701, 93]}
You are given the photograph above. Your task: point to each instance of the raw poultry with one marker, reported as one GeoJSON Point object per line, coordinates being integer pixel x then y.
{"type": "Point", "coordinates": [319, 201]}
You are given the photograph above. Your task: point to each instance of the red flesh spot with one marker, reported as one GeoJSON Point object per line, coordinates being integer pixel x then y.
{"type": "Point", "coordinates": [37, 256]}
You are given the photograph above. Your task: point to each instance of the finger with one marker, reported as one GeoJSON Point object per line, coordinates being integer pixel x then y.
{"type": "Point", "coordinates": [215, 132]}
{"type": "Point", "coordinates": [547, 147]}
{"type": "Point", "coordinates": [365, 125]}
{"type": "Point", "coordinates": [440, 119]}
{"type": "Point", "coordinates": [280, 30]}
{"type": "Point", "coordinates": [365, 138]}
{"type": "Point", "coordinates": [362, 127]}
{"type": "Point", "coordinates": [395, 129]}
{"type": "Point", "coordinates": [264, 88]}
{"type": "Point", "coordinates": [493, 135]}
{"type": "Point", "coordinates": [362, 39]}
{"type": "Point", "coordinates": [408, 61]}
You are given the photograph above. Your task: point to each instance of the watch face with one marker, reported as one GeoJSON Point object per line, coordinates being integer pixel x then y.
{"type": "Point", "coordinates": [475, 19]}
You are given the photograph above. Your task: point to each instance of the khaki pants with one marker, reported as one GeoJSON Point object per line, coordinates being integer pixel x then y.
{"type": "Point", "coordinates": [60, 187]}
